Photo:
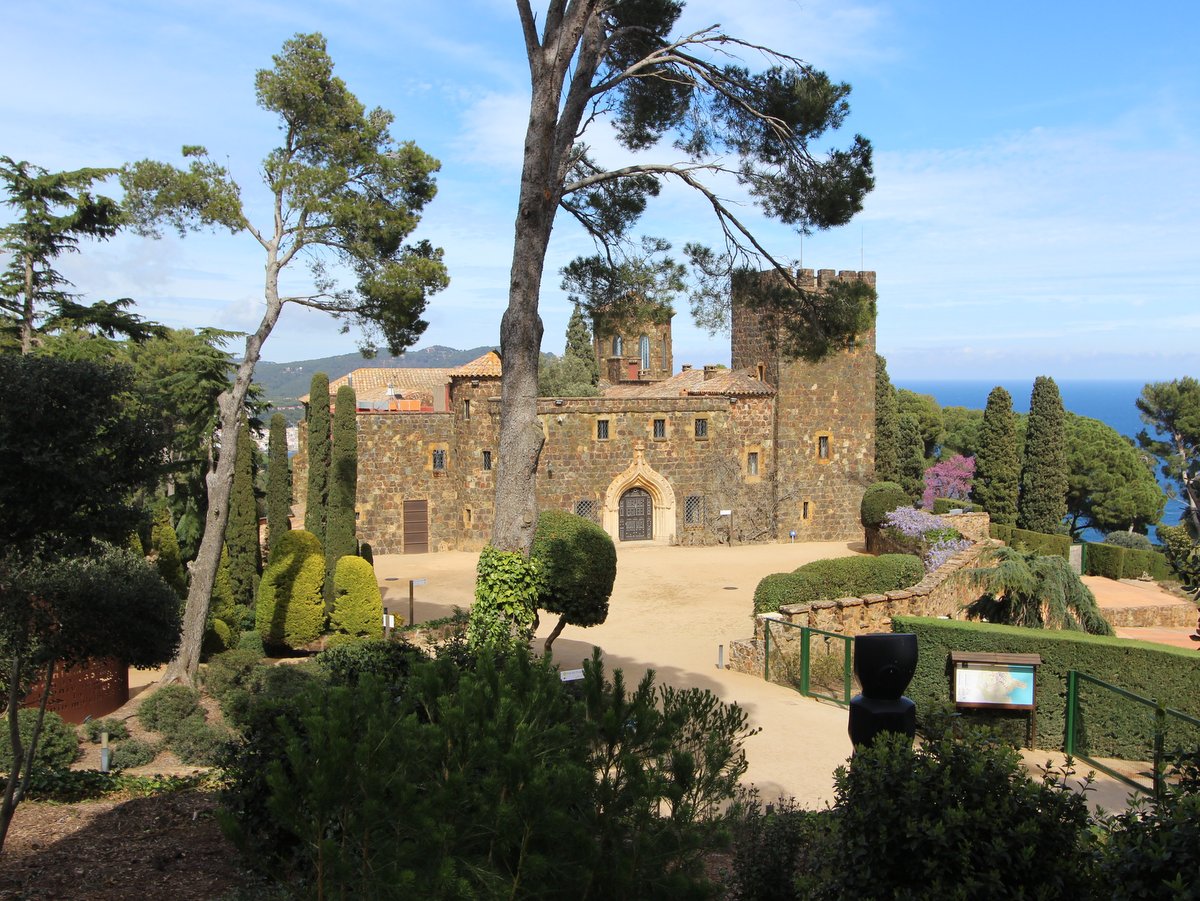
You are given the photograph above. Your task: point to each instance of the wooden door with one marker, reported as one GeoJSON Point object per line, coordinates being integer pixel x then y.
{"type": "Point", "coordinates": [416, 527]}
{"type": "Point", "coordinates": [636, 515]}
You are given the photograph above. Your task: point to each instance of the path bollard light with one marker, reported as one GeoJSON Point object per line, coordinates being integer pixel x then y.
{"type": "Point", "coordinates": [412, 583]}
{"type": "Point", "coordinates": [720, 656]}
{"type": "Point", "coordinates": [104, 752]}
{"type": "Point", "coordinates": [389, 623]}
{"type": "Point", "coordinates": [884, 663]}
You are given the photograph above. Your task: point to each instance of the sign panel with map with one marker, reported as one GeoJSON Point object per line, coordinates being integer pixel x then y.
{"type": "Point", "coordinates": [994, 684]}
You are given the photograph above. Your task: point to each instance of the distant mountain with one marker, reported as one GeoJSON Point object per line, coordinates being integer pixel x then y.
{"type": "Point", "coordinates": [284, 383]}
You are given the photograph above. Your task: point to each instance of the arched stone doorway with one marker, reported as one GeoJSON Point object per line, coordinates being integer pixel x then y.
{"type": "Point", "coordinates": [635, 514]}
{"type": "Point", "coordinates": [639, 505]}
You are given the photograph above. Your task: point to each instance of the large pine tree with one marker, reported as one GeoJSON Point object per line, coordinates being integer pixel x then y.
{"type": "Point", "coordinates": [998, 460]}
{"type": "Point", "coordinates": [887, 426]}
{"type": "Point", "coordinates": [241, 533]}
{"type": "Point", "coordinates": [317, 499]}
{"type": "Point", "coordinates": [343, 487]}
{"type": "Point", "coordinates": [279, 482]}
{"type": "Point", "coordinates": [1043, 502]}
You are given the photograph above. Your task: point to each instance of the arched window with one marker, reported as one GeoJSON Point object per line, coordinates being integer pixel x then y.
{"type": "Point", "coordinates": [644, 349]}
{"type": "Point", "coordinates": [617, 349]}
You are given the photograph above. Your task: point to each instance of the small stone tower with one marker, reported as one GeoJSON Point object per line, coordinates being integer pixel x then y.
{"type": "Point", "coordinates": [632, 349]}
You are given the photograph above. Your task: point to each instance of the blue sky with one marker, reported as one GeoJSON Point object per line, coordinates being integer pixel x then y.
{"type": "Point", "coordinates": [1037, 208]}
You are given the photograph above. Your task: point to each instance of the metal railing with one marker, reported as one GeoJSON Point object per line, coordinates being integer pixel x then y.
{"type": "Point", "coordinates": [796, 667]}
{"type": "Point", "coordinates": [1160, 713]}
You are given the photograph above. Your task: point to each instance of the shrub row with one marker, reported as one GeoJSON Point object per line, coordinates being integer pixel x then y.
{"type": "Point", "coordinates": [1041, 543]}
{"type": "Point", "coordinates": [1109, 726]}
{"type": "Point", "coordinates": [1114, 562]}
{"type": "Point", "coordinates": [826, 580]}
{"type": "Point", "coordinates": [946, 504]}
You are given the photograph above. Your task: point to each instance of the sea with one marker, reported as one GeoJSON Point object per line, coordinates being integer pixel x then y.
{"type": "Point", "coordinates": [1109, 400]}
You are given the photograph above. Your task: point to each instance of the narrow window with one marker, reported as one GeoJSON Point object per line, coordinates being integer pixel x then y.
{"type": "Point", "coordinates": [487, 459]}
{"type": "Point", "coordinates": [752, 463]}
{"type": "Point", "coordinates": [601, 429]}
{"type": "Point", "coordinates": [823, 447]}
{"type": "Point", "coordinates": [439, 460]}
{"type": "Point", "coordinates": [762, 372]}
{"type": "Point", "coordinates": [804, 511]}
{"type": "Point", "coordinates": [693, 510]}
{"type": "Point", "coordinates": [617, 347]}
{"type": "Point", "coordinates": [644, 350]}
{"type": "Point", "coordinates": [466, 409]}
{"type": "Point", "coordinates": [586, 509]}
{"type": "Point", "coordinates": [666, 357]}
{"type": "Point", "coordinates": [660, 428]}
{"type": "Point", "coordinates": [701, 428]}
{"type": "Point", "coordinates": [467, 517]}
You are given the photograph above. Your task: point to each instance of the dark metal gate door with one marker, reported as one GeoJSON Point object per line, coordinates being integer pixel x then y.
{"type": "Point", "coordinates": [636, 515]}
{"type": "Point", "coordinates": [416, 527]}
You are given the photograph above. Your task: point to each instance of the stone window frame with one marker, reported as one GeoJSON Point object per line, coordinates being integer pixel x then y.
{"type": "Point", "coordinates": [618, 346]}
{"type": "Point", "coordinates": [824, 440]}
{"type": "Point", "coordinates": [806, 510]}
{"type": "Point", "coordinates": [468, 517]}
{"type": "Point", "coordinates": [700, 428]}
{"type": "Point", "coordinates": [693, 511]}
{"type": "Point", "coordinates": [437, 459]}
{"type": "Point", "coordinates": [644, 352]}
{"type": "Point", "coordinates": [602, 429]}
{"type": "Point", "coordinates": [657, 433]}
{"type": "Point", "coordinates": [467, 409]}
{"type": "Point", "coordinates": [752, 462]}
{"type": "Point", "coordinates": [487, 461]}
{"type": "Point", "coordinates": [587, 508]}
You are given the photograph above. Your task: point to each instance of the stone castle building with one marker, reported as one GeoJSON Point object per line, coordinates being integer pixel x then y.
{"type": "Point", "coordinates": [698, 457]}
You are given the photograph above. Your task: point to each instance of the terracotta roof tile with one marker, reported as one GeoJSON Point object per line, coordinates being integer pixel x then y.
{"type": "Point", "coordinates": [692, 382]}
{"type": "Point", "coordinates": [487, 366]}
{"type": "Point", "coordinates": [371, 383]}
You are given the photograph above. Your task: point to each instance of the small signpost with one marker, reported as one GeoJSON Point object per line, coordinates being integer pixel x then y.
{"type": "Point", "coordinates": [997, 682]}
{"type": "Point", "coordinates": [412, 583]}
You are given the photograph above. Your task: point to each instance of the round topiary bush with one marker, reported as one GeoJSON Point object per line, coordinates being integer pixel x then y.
{"type": "Point", "coordinates": [879, 500]}
{"type": "Point", "coordinates": [579, 566]}
{"type": "Point", "coordinates": [1132, 540]}
{"type": "Point", "coordinates": [58, 745]}
{"type": "Point", "coordinates": [164, 710]}
{"type": "Point", "coordinates": [132, 752]}
{"type": "Point", "coordinates": [290, 608]}
{"type": "Point", "coordinates": [357, 602]}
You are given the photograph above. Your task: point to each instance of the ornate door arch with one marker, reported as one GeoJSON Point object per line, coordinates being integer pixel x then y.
{"type": "Point", "coordinates": [636, 515]}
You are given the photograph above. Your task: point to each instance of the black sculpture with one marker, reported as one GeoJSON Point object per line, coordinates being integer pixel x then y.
{"type": "Point", "coordinates": [884, 663]}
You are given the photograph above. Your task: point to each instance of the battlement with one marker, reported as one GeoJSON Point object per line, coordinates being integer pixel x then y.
{"type": "Point", "coordinates": [815, 279]}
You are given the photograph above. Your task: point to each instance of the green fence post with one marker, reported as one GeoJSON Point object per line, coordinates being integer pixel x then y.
{"type": "Point", "coordinates": [767, 650]}
{"type": "Point", "coordinates": [805, 660]}
{"type": "Point", "coordinates": [848, 670]}
{"type": "Point", "coordinates": [1072, 699]}
{"type": "Point", "coordinates": [1160, 731]}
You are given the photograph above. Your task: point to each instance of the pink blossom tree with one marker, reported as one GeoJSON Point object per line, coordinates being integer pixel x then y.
{"type": "Point", "coordinates": [949, 478]}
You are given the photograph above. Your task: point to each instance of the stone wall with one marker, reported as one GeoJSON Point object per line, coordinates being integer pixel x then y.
{"type": "Point", "coordinates": [944, 592]}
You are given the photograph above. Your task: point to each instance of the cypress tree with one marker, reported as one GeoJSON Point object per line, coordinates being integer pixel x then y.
{"type": "Point", "coordinates": [279, 483]}
{"type": "Point", "coordinates": [998, 460]}
{"type": "Point", "coordinates": [911, 456]}
{"type": "Point", "coordinates": [317, 499]}
{"type": "Point", "coordinates": [1043, 501]}
{"type": "Point", "coordinates": [887, 425]}
{"type": "Point", "coordinates": [343, 486]}
{"type": "Point", "coordinates": [165, 545]}
{"type": "Point", "coordinates": [241, 532]}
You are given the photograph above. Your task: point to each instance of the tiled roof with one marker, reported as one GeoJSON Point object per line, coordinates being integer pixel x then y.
{"type": "Point", "coordinates": [692, 382]}
{"type": "Point", "coordinates": [487, 366]}
{"type": "Point", "coordinates": [371, 383]}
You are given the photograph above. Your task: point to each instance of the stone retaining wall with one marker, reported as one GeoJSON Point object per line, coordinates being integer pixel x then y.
{"type": "Point", "coordinates": [941, 593]}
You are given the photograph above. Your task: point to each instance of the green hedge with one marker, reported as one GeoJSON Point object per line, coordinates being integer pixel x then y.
{"type": "Point", "coordinates": [1110, 726]}
{"type": "Point", "coordinates": [1040, 543]}
{"type": "Point", "coordinates": [879, 500]}
{"type": "Point", "coordinates": [1114, 562]}
{"type": "Point", "coordinates": [827, 580]}
{"type": "Point", "coordinates": [946, 504]}
{"type": "Point", "coordinates": [1000, 531]}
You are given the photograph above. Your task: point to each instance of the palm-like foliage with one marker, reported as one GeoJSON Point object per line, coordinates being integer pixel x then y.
{"type": "Point", "coordinates": [1023, 589]}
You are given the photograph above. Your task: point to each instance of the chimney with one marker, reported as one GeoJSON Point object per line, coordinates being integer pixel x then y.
{"type": "Point", "coordinates": [709, 371]}
{"type": "Point", "coordinates": [687, 367]}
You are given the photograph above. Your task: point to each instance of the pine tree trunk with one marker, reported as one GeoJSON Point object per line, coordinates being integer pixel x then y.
{"type": "Point", "coordinates": [220, 487]}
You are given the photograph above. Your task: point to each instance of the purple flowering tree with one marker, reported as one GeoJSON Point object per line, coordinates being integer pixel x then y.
{"type": "Point", "coordinates": [949, 478]}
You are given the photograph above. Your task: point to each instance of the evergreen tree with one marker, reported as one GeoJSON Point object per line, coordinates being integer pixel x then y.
{"type": "Point", "coordinates": [241, 533]}
{"type": "Point", "coordinates": [998, 460]}
{"type": "Point", "coordinates": [911, 456]}
{"type": "Point", "coordinates": [1043, 500]}
{"type": "Point", "coordinates": [317, 499]}
{"type": "Point", "coordinates": [576, 374]}
{"type": "Point", "coordinates": [165, 546]}
{"type": "Point", "coordinates": [887, 425]}
{"type": "Point", "coordinates": [343, 487]}
{"type": "Point", "coordinates": [279, 483]}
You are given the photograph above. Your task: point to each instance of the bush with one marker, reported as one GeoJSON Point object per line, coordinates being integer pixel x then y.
{"type": "Point", "coordinates": [267, 688]}
{"type": "Point", "coordinates": [827, 580]}
{"type": "Point", "coordinates": [197, 742]}
{"type": "Point", "coordinates": [58, 745]}
{"type": "Point", "coordinates": [772, 848]}
{"type": "Point", "coordinates": [167, 707]}
{"type": "Point", "coordinates": [357, 603]}
{"type": "Point", "coordinates": [1153, 849]}
{"type": "Point", "coordinates": [1135, 540]}
{"type": "Point", "coordinates": [579, 566]}
{"type": "Point", "coordinates": [229, 671]}
{"type": "Point", "coordinates": [1108, 726]}
{"type": "Point", "coordinates": [132, 752]}
{"type": "Point", "coordinates": [217, 638]}
{"type": "Point", "coordinates": [954, 820]}
{"type": "Point", "coordinates": [879, 500]}
{"type": "Point", "coordinates": [942, 505]}
{"type": "Point", "coordinates": [391, 661]}
{"type": "Point", "coordinates": [1113, 561]}
{"type": "Point", "coordinates": [116, 729]}
{"type": "Point", "coordinates": [291, 607]}
{"type": "Point", "coordinates": [252, 641]}
{"type": "Point", "coordinates": [1001, 532]}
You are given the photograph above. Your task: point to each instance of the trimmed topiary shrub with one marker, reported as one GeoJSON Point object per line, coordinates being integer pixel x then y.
{"type": "Point", "coordinates": [291, 608]}
{"type": "Point", "coordinates": [1042, 543]}
{"type": "Point", "coordinates": [579, 566]}
{"type": "Point", "coordinates": [132, 752]}
{"type": "Point", "coordinates": [1112, 561]}
{"type": "Point", "coordinates": [357, 602]}
{"type": "Point", "coordinates": [946, 504]}
{"type": "Point", "coordinates": [1001, 532]}
{"type": "Point", "coordinates": [879, 500]}
{"type": "Point", "coordinates": [1110, 726]}
{"type": "Point", "coordinates": [116, 729]}
{"type": "Point", "coordinates": [827, 580]}
{"type": "Point", "coordinates": [1105, 560]}
{"type": "Point", "coordinates": [168, 707]}
{"type": "Point", "coordinates": [58, 745]}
